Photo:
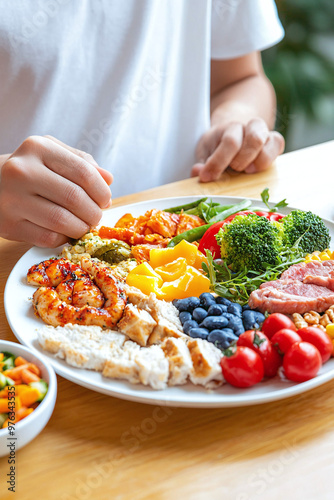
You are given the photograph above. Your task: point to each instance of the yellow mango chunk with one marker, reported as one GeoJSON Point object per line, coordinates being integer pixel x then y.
{"type": "Point", "coordinates": [147, 284]}
{"type": "Point", "coordinates": [176, 289]}
{"type": "Point", "coordinates": [192, 283]}
{"type": "Point", "coordinates": [146, 270]}
{"type": "Point", "coordinates": [200, 257]}
{"type": "Point", "coordinates": [173, 270]}
{"type": "Point", "coordinates": [199, 283]}
{"type": "Point", "coordinates": [162, 256]}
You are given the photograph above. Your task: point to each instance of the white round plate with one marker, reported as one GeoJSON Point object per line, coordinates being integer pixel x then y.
{"type": "Point", "coordinates": [24, 323]}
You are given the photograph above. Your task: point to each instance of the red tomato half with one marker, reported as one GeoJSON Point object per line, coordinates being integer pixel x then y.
{"type": "Point", "coordinates": [319, 339]}
{"type": "Point", "coordinates": [209, 242]}
{"type": "Point", "coordinates": [302, 362]}
{"type": "Point", "coordinates": [243, 368]}
{"type": "Point", "coordinates": [284, 339]}
{"type": "Point", "coordinates": [261, 344]}
{"type": "Point", "coordinates": [275, 322]}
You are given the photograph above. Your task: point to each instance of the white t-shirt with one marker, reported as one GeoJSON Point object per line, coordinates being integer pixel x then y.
{"type": "Point", "coordinates": [125, 80]}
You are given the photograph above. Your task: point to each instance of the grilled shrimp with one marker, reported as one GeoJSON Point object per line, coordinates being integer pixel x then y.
{"type": "Point", "coordinates": [48, 304]}
{"type": "Point", "coordinates": [53, 271]}
{"type": "Point", "coordinates": [79, 293]}
{"type": "Point", "coordinates": [74, 285]}
{"type": "Point", "coordinates": [56, 312]}
{"type": "Point", "coordinates": [111, 288]}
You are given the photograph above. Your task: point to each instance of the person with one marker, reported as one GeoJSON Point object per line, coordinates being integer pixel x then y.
{"type": "Point", "coordinates": [92, 90]}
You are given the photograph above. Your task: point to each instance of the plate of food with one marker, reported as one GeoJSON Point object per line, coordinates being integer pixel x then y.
{"type": "Point", "coordinates": [175, 302]}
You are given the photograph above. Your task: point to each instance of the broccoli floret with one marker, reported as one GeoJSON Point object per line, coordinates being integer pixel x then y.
{"type": "Point", "coordinates": [250, 242]}
{"type": "Point", "coordinates": [308, 228]}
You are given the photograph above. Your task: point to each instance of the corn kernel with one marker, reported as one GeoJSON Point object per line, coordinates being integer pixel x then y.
{"type": "Point", "coordinates": [330, 330]}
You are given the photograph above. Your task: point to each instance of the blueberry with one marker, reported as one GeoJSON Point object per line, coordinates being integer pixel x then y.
{"type": "Point", "coordinates": [181, 304]}
{"type": "Point", "coordinates": [236, 324]}
{"type": "Point", "coordinates": [252, 319]}
{"type": "Point", "coordinates": [222, 300]}
{"type": "Point", "coordinates": [239, 331]}
{"type": "Point", "coordinates": [193, 303]}
{"type": "Point", "coordinates": [235, 309]}
{"type": "Point", "coordinates": [207, 300]}
{"type": "Point", "coordinates": [198, 333]}
{"type": "Point", "coordinates": [259, 318]}
{"type": "Point", "coordinates": [175, 303]}
{"type": "Point", "coordinates": [188, 325]}
{"type": "Point", "coordinates": [185, 316]}
{"type": "Point", "coordinates": [222, 338]}
{"type": "Point", "coordinates": [199, 314]}
{"type": "Point", "coordinates": [216, 310]}
{"type": "Point", "coordinates": [245, 307]}
{"type": "Point", "coordinates": [213, 322]}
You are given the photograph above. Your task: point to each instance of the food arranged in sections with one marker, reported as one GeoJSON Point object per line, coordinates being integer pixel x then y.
{"type": "Point", "coordinates": [21, 388]}
{"type": "Point", "coordinates": [202, 293]}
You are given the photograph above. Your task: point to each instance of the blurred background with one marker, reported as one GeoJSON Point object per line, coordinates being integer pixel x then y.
{"type": "Point", "coordinates": [301, 69]}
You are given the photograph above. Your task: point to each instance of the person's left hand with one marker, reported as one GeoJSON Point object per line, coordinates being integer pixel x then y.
{"type": "Point", "coordinates": [245, 148]}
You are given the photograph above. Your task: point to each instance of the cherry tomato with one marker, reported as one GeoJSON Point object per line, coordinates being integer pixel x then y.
{"type": "Point", "coordinates": [275, 322]}
{"type": "Point", "coordinates": [261, 344]}
{"type": "Point", "coordinates": [242, 368]}
{"type": "Point", "coordinates": [319, 339]}
{"type": "Point", "coordinates": [284, 339]}
{"type": "Point", "coordinates": [301, 362]}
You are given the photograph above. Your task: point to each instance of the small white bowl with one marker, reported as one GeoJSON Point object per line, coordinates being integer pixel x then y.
{"type": "Point", "coordinates": [29, 427]}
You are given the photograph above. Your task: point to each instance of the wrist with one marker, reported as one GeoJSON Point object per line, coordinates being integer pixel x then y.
{"type": "Point", "coordinates": [232, 112]}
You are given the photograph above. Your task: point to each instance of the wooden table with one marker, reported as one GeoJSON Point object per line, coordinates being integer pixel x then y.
{"type": "Point", "coordinates": [99, 447]}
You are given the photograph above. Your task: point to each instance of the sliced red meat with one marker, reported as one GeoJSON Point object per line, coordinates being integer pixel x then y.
{"type": "Point", "coordinates": [313, 268]}
{"type": "Point", "coordinates": [314, 273]}
{"type": "Point", "coordinates": [291, 296]}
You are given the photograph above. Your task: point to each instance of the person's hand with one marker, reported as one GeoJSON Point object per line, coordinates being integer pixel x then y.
{"type": "Point", "coordinates": [50, 191]}
{"type": "Point", "coordinates": [245, 148]}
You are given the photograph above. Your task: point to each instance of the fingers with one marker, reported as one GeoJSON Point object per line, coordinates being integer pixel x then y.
{"type": "Point", "coordinates": [273, 148]}
{"type": "Point", "coordinates": [53, 217]}
{"type": "Point", "coordinates": [228, 147]}
{"type": "Point", "coordinates": [107, 176]}
{"type": "Point", "coordinates": [208, 143]}
{"type": "Point", "coordinates": [25, 230]}
{"type": "Point", "coordinates": [255, 137]}
{"type": "Point", "coordinates": [29, 182]}
{"type": "Point", "coordinates": [68, 166]}
{"type": "Point", "coordinates": [251, 148]}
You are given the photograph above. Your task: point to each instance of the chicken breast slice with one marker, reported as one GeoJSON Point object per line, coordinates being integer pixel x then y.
{"type": "Point", "coordinates": [179, 359]}
{"type": "Point", "coordinates": [81, 346]}
{"type": "Point", "coordinates": [206, 369]}
{"type": "Point", "coordinates": [137, 324]}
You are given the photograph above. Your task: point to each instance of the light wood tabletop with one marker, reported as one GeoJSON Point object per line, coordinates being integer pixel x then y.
{"type": "Point", "coordinates": [100, 447]}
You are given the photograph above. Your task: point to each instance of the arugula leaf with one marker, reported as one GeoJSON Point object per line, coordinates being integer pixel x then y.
{"type": "Point", "coordinates": [239, 286]}
{"type": "Point", "coordinates": [265, 199]}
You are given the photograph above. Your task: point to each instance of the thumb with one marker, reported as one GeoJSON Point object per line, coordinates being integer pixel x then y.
{"type": "Point", "coordinates": [195, 171]}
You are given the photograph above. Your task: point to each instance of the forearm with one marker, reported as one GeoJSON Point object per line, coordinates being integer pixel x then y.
{"type": "Point", "coordinates": [242, 101]}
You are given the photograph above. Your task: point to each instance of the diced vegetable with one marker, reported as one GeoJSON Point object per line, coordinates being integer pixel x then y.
{"type": "Point", "coordinates": [42, 388]}
{"type": "Point", "coordinates": [21, 388]}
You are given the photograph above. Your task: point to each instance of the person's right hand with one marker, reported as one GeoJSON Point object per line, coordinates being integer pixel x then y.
{"type": "Point", "coordinates": [50, 191]}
